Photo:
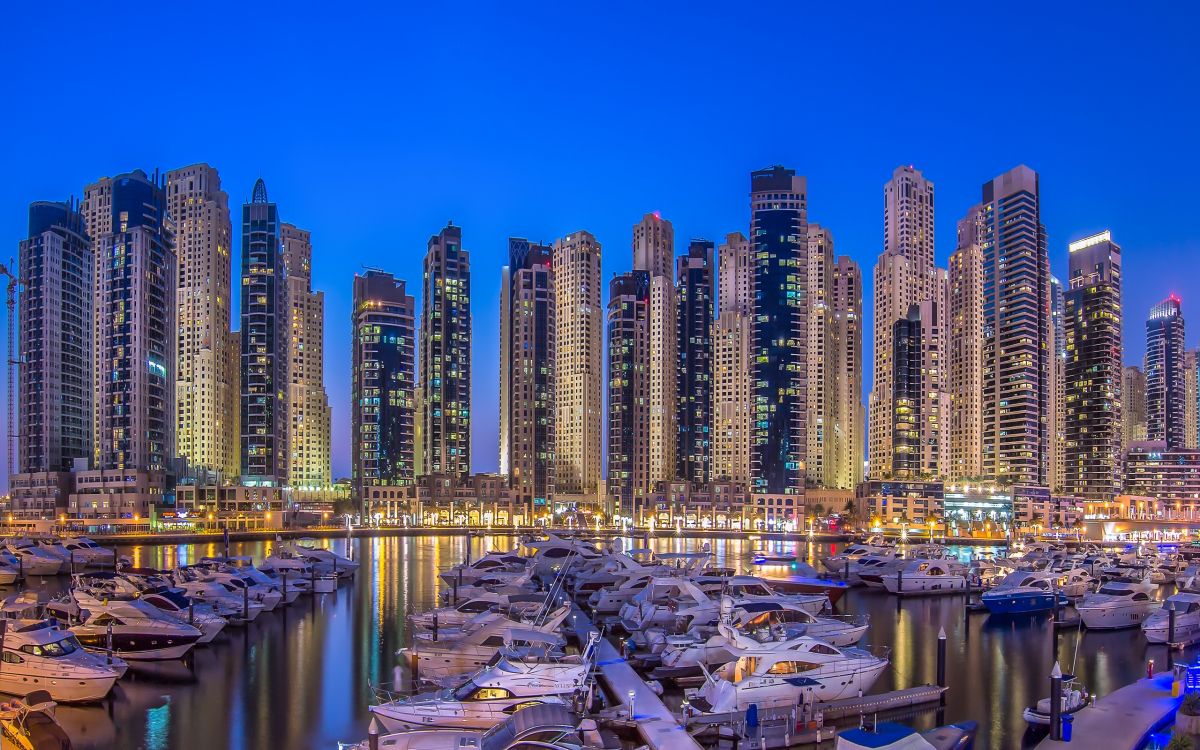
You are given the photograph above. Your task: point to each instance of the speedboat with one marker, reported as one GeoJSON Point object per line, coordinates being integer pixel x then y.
{"type": "Point", "coordinates": [457, 653]}
{"type": "Point", "coordinates": [541, 726]}
{"type": "Point", "coordinates": [1023, 592]}
{"type": "Point", "coordinates": [1187, 619]}
{"type": "Point", "coordinates": [769, 557]}
{"type": "Point", "coordinates": [927, 577]}
{"type": "Point", "coordinates": [787, 673]}
{"type": "Point", "coordinates": [38, 655]}
{"type": "Point", "coordinates": [1073, 699]}
{"type": "Point", "coordinates": [1118, 604]}
{"type": "Point", "coordinates": [491, 694]}
{"type": "Point", "coordinates": [891, 736]}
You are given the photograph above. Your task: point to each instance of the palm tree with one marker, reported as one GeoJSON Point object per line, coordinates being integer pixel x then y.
{"type": "Point", "coordinates": [850, 514]}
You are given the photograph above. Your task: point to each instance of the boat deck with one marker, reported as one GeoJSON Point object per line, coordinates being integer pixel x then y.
{"type": "Point", "coordinates": [1121, 720]}
{"type": "Point", "coordinates": [657, 725]}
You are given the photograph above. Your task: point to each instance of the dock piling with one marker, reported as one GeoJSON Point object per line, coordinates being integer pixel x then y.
{"type": "Point", "coordinates": [373, 735]}
{"type": "Point", "coordinates": [1171, 624]}
{"type": "Point", "coordinates": [1056, 703]}
{"type": "Point", "coordinates": [941, 662]}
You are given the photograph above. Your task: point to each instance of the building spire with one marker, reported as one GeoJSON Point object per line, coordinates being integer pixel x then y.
{"type": "Point", "coordinates": [260, 192]}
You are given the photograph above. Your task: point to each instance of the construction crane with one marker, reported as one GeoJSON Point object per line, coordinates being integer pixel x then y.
{"type": "Point", "coordinates": [14, 288]}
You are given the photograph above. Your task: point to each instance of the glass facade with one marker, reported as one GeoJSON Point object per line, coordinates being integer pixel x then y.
{"type": "Point", "coordinates": [695, 287]}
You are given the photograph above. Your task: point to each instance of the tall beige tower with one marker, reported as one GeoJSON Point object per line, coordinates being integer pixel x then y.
{"type": "Point", "coordinates": [307, 402]}
{"type": "Point", "coordinates": [821, 388]}
{"type": "Point", "coordinates": [731, 363]}
{"type": "Point", "coordinates": [653, 252]}
{"type": "Point", "coordinates": [206, 382]}
{"type": "Point", "coordinates": [579, 366]}
{"type": "Point", "coordinates": [844, 446]}
{"type": "Point", "coordinates": [965, 351]}
{"type": "Point", "coordinates": [1191, 391]}
{"type": "Point", "coordinates": [904, 276]}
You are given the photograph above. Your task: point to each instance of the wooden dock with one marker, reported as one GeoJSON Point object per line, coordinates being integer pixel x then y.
{"type": "Point", "coordinates": [657, 725]}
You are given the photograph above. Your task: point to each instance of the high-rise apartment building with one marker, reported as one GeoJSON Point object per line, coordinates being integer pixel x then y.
{"type": "Point", "coordinates": [918, 393]}
{"type": "Point", "coordinates": [731, 363]}
{"type": "Point", "coordinates": [964, 346]}
{"type": "Point", "coordinates": [821, 393]}
{"type": "Point", "coordinates": [905, 275]}
{"type": "Point", "coordinates": [309, 448]}
{"type": "Point", "coordinates": [445, 358]}
{"type": "Point", "coordinates": [1057, 418]}
{"type": "Point", "coordinates": [1092, 403]}
{"type": "Point", "coordinates": [1133, 401]}
{"type": "Point", "coordinates": [1165, 386]}
{"type": "Point", "coordinates": [384, 383]}
{"type": "Point", "coordinates": [1016, 331]}
{"type": "Point", "coordinates": [55, 404]}
{"type": "Point", "coordinates": [653, 252]}
{"type": "Point", "coordinates": [844, 447]}
{"type": "Point", "coordinates": [264, 337]}
{"type": "Point", "coordinates": [1191, 392]}
{"type": "Point", "coordinates": [578, 367]}
{"type": "Point", "coordinates": [629, 482]}
{"type": "Point", "coordinates": [136, 276]}
{"type": "Point", "coordinates": [527, 362]}
{"type": "Point", "coordinates": [694, 372]}
{"type": "Point", "coordinates": [206, 385]}
{"type": "Point", "coordinates": [779, 334]}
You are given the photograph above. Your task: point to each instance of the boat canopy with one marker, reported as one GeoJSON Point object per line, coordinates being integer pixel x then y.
{"type": "Point", "coordinates": [544, 717]}
{"type": "Point", "coordinates": [887, 735]}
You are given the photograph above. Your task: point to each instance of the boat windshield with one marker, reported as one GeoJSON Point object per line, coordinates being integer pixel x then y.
{"type": "Point", "coordinates": [53, 650]}
{"type": "Point", "coordinates": [464, 691]}
{"type": "Point", "coordinates": [1114, 590]}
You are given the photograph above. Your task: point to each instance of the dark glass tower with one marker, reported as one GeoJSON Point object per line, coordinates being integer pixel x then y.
{"type": "Point", "coordinates": [264, 342]}
{"type": "Point", "coordinates": [446, 356]}
{"type": "Point", "coordinates": [907, 394]}
{"type": "Point", "coordinates": [779, 342]}
{"type": "Point", "coordinates": [628, 405]}
{"type": "Point", "coordinates": [694, 292]}
{"type": "Point", "coordinates": [1165, 386]}
{"type": "Point", "coordinates": [56, 315]}
{"type": "Point", "coordinates": [383, 383]}
{"type": "Point", "coordinates": [1092, 393]}
{"type": "Point", "coordinates": [527, 351]}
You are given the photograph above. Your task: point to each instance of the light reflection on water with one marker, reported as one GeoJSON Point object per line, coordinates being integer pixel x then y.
{"type": "Point", "coordinates": [298, 678]}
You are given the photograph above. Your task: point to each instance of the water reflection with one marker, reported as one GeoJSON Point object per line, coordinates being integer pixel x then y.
{"type": "Point", "coordinates": [299, 677]}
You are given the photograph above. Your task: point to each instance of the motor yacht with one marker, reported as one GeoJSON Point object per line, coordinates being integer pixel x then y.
{"type": "Point", "coordinates": [551, 554]}
{"type": "Point", "coordinates": [322, 560]}
{"type": "Point", "coordinates": [266, 594]}
{"type": "Point", "coordinates": [84, 552]}
{"type": "Point", "coordinates": [1076, 582]}
{"type": "Point", "coordinates": [661, 602]}
{"type": "Point", "coordinates": [1023, 592]}
{"type": "Point", "coordinates": [850, 555]}
{"type": "Point", "coordinates": [510, 683]}
{"type": "Point", "coordinates": [38, 655]}
{"type": "Point", "coordinates": [786, 673]}
{"type": "Point", "coordinates": [243, 567]}
{"type": "Point", "coordinates": [1118, 604]}
{"type": "Point", "coordinates": [138, 632]}
{"type": "Point", "coordinates": [494, 564]}
{"type": "Point", "coordinates": [927, 577]}
{"type": "Point", "coordinates": [236, 607]}
{"type": "Point", "coordinates": [608, 601]}
{"type": "Point", "coordinates": [33, 560]}
{"type": "Point", "coordinates": [467, 609]}
{"type": "Point", "coordinates": [1187, 619]}
{"type": "Point", "coordinates": [456, 653]}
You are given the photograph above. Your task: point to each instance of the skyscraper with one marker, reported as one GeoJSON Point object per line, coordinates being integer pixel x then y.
{"type": "Point", "coordinates": [134, 243]}
{"type": "Point", "coordinates": [779, 338]}
{"type": "Point", "coordinates": [653, 252]}
{"type": "Point", "coordinates": [1191, 392]}
{"type": "Point", "coordinates": [821, 394]}
{"type": "Point", "coordinates": [579, 367]}
{"type": "Point", "coordinates": [527, 361]}
{"type": "Point", "coordinates": [54, 420]}
{"type": "Point", "coordinates": [1133, 413]}
{"type": "Point", "coordinates": [965, 350]}
{"type": "Point", "coordinates": [918, 393]}
{"type": "Point", "coordinates": [629, 480]}
{"type": "Point", "coordinates": [731, 363]}
{"type": "Point", "coordinates": [844, 448]}
{"type": "Point", "coordinates": [309, 446]}
{"type": "Point", "coordinates": [1092, 404]}
{"type": "Point", "coordinates": [207, 382]}
{"type": "Point", "coordinates": [694, 292]}
{"type": "Point", "coordinates": [265, 331]}
{"type": "Point", "coordinates": [384, 382]}
{"type": "Point", "coordinates": [1057, 418]}
{"type": "Point", "coordinates": [1016, 332]}
{"type": "Point", "coordinates": [445, 358]}
{"type": "Point", "coordinates": [1165, 386]}
{"type": "Point", "coordinates": [904, 275]}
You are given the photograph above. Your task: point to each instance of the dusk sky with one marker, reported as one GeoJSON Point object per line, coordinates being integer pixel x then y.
{"type": "Point", "coordinates": [374, 126]}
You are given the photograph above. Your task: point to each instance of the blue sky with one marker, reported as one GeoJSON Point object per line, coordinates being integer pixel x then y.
{"type": "Point", "coordinates": [373, 126]}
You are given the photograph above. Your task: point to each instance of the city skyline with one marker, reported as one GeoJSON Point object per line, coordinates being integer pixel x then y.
{"type": "Point", "coordinates": [517, 187]}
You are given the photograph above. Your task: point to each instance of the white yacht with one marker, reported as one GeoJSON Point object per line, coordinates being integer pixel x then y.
{"type": "Point", "coordinates": [490, 695]}
{"type": "Point", "coordinates": [786, 673]}
{"type": "Point", "coordinates": [546, 726]}
{"type": "Point", "coordinates": [465, 651]}
{"type": "Point", "coordinates": [927, 577]}
{"type": "Point", "coordinates": [84, 552]}
{"type": "Point", "coordinates": [322, 560]}
{"type": "Point", "coordinates": [32, 559]}
{"type": "Point", "coordinates": [550, 555]}
{"type": "Point", "coordinates": [661, 602]}
{"type": "Point", "coordinates": [266, 594]}
{"type": "Point", "coordinates": [140, 632]}
{"type": "Point", "coordinates": [236, 607]}
{"type": "Point", "coordinates": [1187, 619]}
{"type": "Point", "coordinates": [608, 601]}
{"type": "Point", "coordinates": [470, 608]}
{"type": "Point", "coordinates": [753, 588]}
{"type": "Point", "coordinates": [38, 655]}
{"type": "Point", "coordinates": [493, 564]}
{"type": "Point", "coordinates": [1118, 604]}
{"type": "Point", "coordinates": [848, 559]}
